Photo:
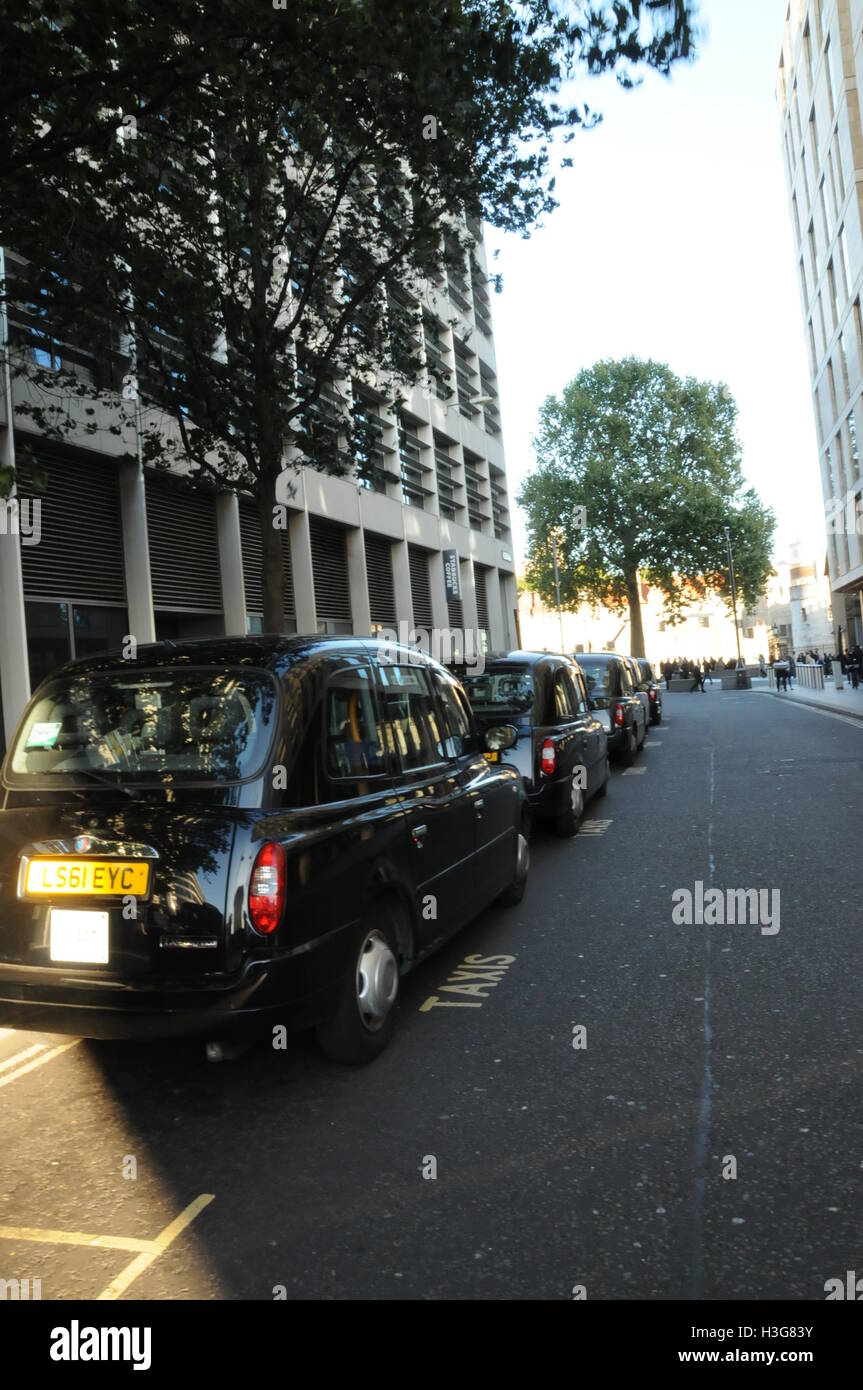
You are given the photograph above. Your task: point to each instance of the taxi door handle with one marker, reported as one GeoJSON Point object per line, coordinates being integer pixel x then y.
{"type": "Point", "coordinates": [418, 834]}
{"type": "Point", "coordinates": [478, 807]}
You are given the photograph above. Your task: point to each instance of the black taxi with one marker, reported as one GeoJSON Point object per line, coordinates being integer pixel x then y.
{"type": "Point", "coordinates": [562, 748]}
{"type": "Point", "coordinates": [219, 836]}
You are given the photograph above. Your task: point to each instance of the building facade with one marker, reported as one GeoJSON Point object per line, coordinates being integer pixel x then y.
{"type": "Point", "coordinates": [113, 550]}
{"type": "Point", "coordinates": [818, 93]}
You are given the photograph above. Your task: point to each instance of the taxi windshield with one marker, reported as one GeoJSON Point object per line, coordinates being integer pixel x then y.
{"type": "Point", "coordinates": [163, 725]}
{"type": "Point", "coordinates": [506, 690]}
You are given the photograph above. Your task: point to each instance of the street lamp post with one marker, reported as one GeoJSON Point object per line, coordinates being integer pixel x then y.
{"type": "Point", "coordinates": [733, 594]}
{"type": "Point", "coordinates": [557, 587]}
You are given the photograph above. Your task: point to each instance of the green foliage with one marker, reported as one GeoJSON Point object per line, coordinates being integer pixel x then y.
{"type": "Point", "coordinates": [262, 229]}
{"type": "Point", "coordinates": [651, 464]}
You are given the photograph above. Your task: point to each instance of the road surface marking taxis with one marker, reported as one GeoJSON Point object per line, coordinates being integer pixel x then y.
{"type": "Point", "coordinates": [471, 977]}
{"type": "Point", "coordinates": [145, 1251]}
{"type": "Point", "coordinates": [594, 827]}
{"type": "Point", "coordinates": [37, 1061]}
{"type": "Point", "coordinates": [635, 772]}
{"type": "Point", "coordinates": [654, 743]}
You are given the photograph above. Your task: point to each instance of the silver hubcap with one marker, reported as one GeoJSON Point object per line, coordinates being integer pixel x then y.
{"type": "Point", "coordinates": [377, 980]}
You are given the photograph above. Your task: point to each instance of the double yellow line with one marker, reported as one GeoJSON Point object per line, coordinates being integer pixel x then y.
{"type": "Point", "coordinates": [20, 1063]}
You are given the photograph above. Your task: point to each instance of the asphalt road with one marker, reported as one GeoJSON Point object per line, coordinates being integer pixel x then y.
{"type": "Point", "coordinates": [599, 1166]}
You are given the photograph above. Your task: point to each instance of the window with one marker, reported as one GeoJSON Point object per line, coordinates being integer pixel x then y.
{"type": "Point", "coordinates": [834, 201]}
{"type": "Point", "coordinates": [564, 705]}
{"type": "Point", "coordinates": [504, 693]}
{"type": "Point", "coordinates": [57, 632]}
{"type": "Point", "coordinates": [202, 725]}
{"type": "Point", "coordinates": [844, 262]}
{"type": "Point", "coordinates": [840, 173]}
{"type": "Point", "coordinates": [855, 455]}
{"type": "Point", "coordinates": [581, 690]}
{"type": "Point", "coordinates": [411, 711]}
{"type": "Point", "coordinates": [353, 733]}
{"type": "Point", "coordinates": [831, 91]}
{"type": "Point", "coordinates": [812, 352]}
{"type": "Point", "coordinates": [833, 299]}
{"type": "Point", "coordinates": [460, 735]}
{"type": "Point", "coordinates": [813, 252]}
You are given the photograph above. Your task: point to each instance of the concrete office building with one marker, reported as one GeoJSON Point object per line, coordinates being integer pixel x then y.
{"type": "Point", "coordinates": [818, 92]}
{"type": "Point", "coordinates": [125, 552]}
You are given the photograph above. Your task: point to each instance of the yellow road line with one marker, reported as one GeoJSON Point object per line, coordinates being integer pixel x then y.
{"type": "Point", "coordinates": [126, 1277]}
{"type": "Point", "coordinates": [18, 1057]}
{"type": "Point", "coordinates": [38, 1062]}
{"type": "Point", "coordinates": [44, 1237]}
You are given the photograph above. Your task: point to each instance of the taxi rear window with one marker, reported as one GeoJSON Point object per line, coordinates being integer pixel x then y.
{"type": "Point", "coordinates": [190, 725]}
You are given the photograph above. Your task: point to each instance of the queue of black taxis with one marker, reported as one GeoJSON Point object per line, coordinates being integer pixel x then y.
{"type": "Point", "coordinates": [220, 836]}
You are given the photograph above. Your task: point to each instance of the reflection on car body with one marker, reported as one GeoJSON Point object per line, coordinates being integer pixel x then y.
{"type": "Point", "coordinates": [298, 822]}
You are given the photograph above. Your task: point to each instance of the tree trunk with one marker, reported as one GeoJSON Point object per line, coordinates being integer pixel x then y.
{"type": "Point", "coordinates": [272, 563]}
{"type": "Point", "coordinates": [636, 630]}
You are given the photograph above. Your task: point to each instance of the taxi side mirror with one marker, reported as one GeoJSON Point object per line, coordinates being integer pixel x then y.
{"type": "Point", "coordinates": [501, 737]}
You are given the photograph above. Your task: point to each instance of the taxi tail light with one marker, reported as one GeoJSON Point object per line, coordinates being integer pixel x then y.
{"type": "Point", "coordinates": [652, 694]}
{"type": "Point", "coordinates": [268, 888]}
{"type": "Point", "coordinates": [619, 716]}
{"type": "Point", "coordinates": [548, 761]}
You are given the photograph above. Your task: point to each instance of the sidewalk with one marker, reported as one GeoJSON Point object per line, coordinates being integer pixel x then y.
{"type": "Point", "coordinates": [845, 701]}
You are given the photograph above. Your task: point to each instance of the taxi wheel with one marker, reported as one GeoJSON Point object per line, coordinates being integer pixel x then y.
{"type": "Point", "coordinates": [513, 895]}
{"type": "Point", "coordinates": [567, 824]}
{"type": "Point", "coordinates": [361, 1024]}
{"type": "Point", "coordinates": [630, 748]}
{"type": "Point", "coordinates": [603, 790]}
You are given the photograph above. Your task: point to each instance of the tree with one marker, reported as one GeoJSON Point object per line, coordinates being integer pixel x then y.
{"type": "Point", "coordinates": [260, 232]}
{"type": "Point", "coordinates": [638, 474]}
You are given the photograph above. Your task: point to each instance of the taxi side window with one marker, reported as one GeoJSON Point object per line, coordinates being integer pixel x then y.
{"type": "Point", "coordinates": [461, 739]}
{"type": "Point", "coordinates": [564, 706]}
{"type": "Point", "coordinates": [625, 681]}
{"type": "Point", "coordinates": [581, 701]}
{"type": "Point", "coordinates": [412, 715]}
{"type": "Point", "coordinates": [353, 730]}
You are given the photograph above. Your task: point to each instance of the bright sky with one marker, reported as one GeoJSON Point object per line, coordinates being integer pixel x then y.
{"type": "Point", "coordinates": [673, 241]}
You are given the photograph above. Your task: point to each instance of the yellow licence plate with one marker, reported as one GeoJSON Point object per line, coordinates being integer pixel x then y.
{"type": "Point", "coordinates": [492, 757]}
{"type": "Point", "coordinates": [88, 878]}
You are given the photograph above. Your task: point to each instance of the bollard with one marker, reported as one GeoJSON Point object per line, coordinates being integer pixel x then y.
{"type": "Point", "coordinates": [838, 682]}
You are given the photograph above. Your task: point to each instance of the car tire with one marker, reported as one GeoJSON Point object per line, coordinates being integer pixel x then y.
{"type": "Point", "coordinates": [361, 1022]}
{"type": "Point", "coordinates": [603, 790]}
{"type": "Point", "coordinates": [513, 895]}
{"type": "Point", "coordinates": [566, 824]}
{"type": "Point", "coordinates": [656, 718]}
{"type": "Point", "coordinates": [630, 750]}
